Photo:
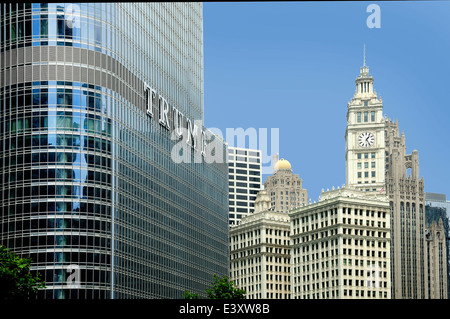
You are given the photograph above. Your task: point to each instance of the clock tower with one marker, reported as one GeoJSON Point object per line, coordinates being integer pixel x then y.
{"type": "Point", "coordinates": [364, 136]}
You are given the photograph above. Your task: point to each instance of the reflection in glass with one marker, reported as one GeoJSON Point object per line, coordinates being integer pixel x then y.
{"type": "Point", "coordinates": [52, 119]}
{"type": "Point", "coordinates": [76, 121]}
{"type": "Point", "coordinates": [36, 27]}
{"type": "Point", "coordinates": [52, 140]}
{"type": "Point", "coordinates": [52, 25]}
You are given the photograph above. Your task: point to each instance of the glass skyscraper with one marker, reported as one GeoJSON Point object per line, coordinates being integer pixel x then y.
{"type": "Point", "coordinates": [94, 98]}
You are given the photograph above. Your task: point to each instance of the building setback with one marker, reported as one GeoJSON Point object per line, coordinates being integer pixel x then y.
{"type": "Point", "coordinates": [95, 98]}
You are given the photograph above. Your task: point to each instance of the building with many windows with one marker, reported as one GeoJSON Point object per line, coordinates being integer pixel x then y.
{"type": "Point", "coordinates": [260, 252]}
{"type": "Point", "coordinates": [364, 136]}
{"type": "Point", "coordinates": [405, 190]}
{"type": "Point", "coordinates": [437, 206]}
{"type": "Point", "coordinates": [244, 171]}
{"type": "Point", "coordinates": [437, 249]}
{"type": "Point", "coordinates": [341, 247]}
{"type": "Point", "coordinates": [438, 200]}
{"type": "Point", "coordinates": [105, 173]}
{"type": "Point", "coordinates": [284, 187]}
{"type": "Point", "coordinates": [377, 162]}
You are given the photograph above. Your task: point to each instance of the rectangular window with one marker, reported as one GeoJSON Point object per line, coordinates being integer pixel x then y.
{"type": "Point", "coordinates": [358, 117]}
{"type": "Point", "coordinates": [366, 116]}
{"type": "Point", "coordinates": [372, 116]}
{"type": "Point", "coordinates": [359, 155]}
{"type": "Point", "coordinates": [359, 165]}
{"type": "Point", "coordinates": [366, 165]}
{"type": "Point", "coordinates": [373, 164]}
{"type": "Point", "coordinates": [373, 174]}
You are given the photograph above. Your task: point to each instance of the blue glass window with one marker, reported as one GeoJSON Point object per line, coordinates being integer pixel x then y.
{"type": "Point", "coordinates": [36, 27]}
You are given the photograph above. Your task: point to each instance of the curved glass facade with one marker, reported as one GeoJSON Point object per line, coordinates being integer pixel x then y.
{"type": "Point", "coordinates": [88, 186]}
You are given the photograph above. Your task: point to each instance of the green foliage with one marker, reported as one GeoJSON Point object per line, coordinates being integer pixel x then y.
{"type": "Point", "coordinates": [16, 281]}
{"type": "Point", "coordinates": [189, 295]}
{"type": "Point", "coordinates": [223, 288]}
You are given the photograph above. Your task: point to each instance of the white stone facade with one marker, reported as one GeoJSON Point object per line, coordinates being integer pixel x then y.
{"type": "Point", "coordinates": [341, 247]}
{"type": "Point", "coordinates": [364, 137]}
{"type": "Point", "coordinates": [260, 252]}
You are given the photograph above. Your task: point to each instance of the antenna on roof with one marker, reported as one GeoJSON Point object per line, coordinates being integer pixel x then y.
{"type": "Point", "coordinates": [364, 54]}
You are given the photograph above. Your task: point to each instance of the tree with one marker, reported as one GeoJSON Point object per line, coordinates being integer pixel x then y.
{"type": "Point", "coordinates": [189, 295]}
{"type": "Point", "coordinates": [16, 281]}
{"type": "Point", "coordinates": [223, 288]}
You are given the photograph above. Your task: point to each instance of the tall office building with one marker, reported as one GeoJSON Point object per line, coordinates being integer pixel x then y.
{"type": "Point", "coordinates": [341, 247]}
{"type": "Point", "coordinates": [260, 260]}
{"type": "Point", "coordinates": [436, 240]}
{"type": "Point", "coordinates": [364, 136]}
{"type": "Point", "coordinates": [284, 187]}
{"type": "Point", "coordinates": [436, 200]}
{"type": "Point", "coordinates": [376, 162]}
{"type": "Point", "coordinates": [405, 190]}
{"type": "Point", "coordinates": [105, 174]}
{"type": "Point", "coordinates": [244, 167]}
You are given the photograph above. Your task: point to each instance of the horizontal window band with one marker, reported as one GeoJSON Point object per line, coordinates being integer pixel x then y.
{"type": "Point", "coordinates": [94, 68]}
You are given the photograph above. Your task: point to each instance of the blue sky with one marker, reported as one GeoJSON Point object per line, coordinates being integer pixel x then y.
{"type": "Point", "coordinates": [292, 66]}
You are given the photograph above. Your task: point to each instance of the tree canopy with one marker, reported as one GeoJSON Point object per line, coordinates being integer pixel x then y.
{"type": "Point", "coordinates": [16, 281]}
{"type": "Point", "coordinates": [221, 288]}
{"type": "Point", "coordinates": [224, 288]}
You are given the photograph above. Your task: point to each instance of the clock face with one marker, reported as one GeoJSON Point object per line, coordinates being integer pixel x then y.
{"type": "Point", "coordinates": [366, 139]}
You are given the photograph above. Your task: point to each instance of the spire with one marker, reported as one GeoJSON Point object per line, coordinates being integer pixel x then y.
{"type": "Point", "coordinates": [364, 54]}
{"type": "Point", "coordinates": [364, 81]}
{"type": "Point", "coordinates": [364, 71]}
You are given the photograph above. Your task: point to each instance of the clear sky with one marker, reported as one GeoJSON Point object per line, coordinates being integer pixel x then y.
{"type": "Point", "coordinates": [293, 65]}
